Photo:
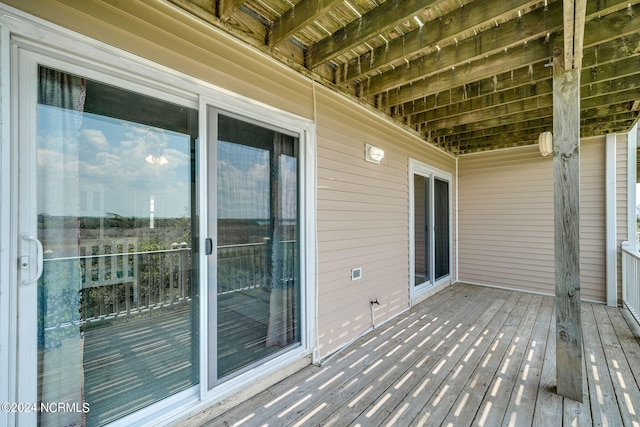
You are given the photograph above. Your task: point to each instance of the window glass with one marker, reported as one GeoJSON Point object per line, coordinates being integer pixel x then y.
{"type": "Point", "coordinates": [116, 207]}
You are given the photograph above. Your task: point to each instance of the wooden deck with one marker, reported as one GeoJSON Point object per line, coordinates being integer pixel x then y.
{"type": "Point", "coordinates": [132, 363]}
{"type": "Point", "coordinates": [467, 356]}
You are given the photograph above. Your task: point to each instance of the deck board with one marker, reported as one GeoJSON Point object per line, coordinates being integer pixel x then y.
{"type": "Point", "coordinates": [601, 391]}
{"type": "Point", "coordinates": [501, 382]}
{"type": "Point", "coordinates": [521, 402]}
{"type": "Point", "coordinates": [624, 384]}
{"type": "Point", "coordinates": [466, 356]}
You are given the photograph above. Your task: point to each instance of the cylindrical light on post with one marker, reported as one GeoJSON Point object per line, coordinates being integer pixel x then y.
{"type": "Point", "coordinates": [545, 143]}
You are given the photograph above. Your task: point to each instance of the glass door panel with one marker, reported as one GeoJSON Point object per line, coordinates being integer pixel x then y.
{"type": "Point", "coordinates": [422, 236]}
{"type": "Point", "coordinates": [431, 221]}
{"type": "Point", "coordinates": [257, 295]}
{"type": "Point", "coordinates": [441, 227]}
{"type": "Point", "coordinates": [117, 300]}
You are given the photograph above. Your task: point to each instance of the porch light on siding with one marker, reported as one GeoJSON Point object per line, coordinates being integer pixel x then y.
{"type": "Point", "coordinates": [545, 143]}
{"type": "Point", "coordinates": [373, 154]}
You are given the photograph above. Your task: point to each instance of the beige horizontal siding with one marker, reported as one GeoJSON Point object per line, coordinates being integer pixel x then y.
{"type": "Point", "coordinates": [622, 200]}
{"type": "Point", "coordinates": [593, 220]}
{"type": "Point", "coordinates": [506, 221]}
{"type": "Point", "coordinates": [363, 218]}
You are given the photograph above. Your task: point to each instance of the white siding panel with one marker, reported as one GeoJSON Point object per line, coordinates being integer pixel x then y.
{"type": "Point", "coordinates": [506, 220]}
{"type": "Point", "coordinates": [622, 192]}
{"type": "Point", "coordinates": [363, 218]}
{"type": "Point", "coordinates": [593, 219]}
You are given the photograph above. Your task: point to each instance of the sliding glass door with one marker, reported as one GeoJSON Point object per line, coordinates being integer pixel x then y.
{"type": "Point", "coordinates": [431, 226]}
{"type": "Point", "coordinates": [120, 201]}
{"type": "Point", "coordinates": [254, 299]}
{"type": "Point", "coordinates": [107, 220]}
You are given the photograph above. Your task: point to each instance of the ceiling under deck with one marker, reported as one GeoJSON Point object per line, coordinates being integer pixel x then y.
{"type": "Point", "coordinates": [467, 75]}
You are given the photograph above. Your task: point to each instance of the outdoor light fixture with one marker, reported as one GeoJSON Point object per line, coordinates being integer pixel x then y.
{"type": "Point", "coordinates": [545, 143]}
{"type": "Point", "coordinates": [373, 154]}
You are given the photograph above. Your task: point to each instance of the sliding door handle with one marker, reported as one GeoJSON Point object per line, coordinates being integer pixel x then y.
{"type": "Point", "coordinates": [25, 258]}
{"type": "Point", "coordinates": [208, 246]}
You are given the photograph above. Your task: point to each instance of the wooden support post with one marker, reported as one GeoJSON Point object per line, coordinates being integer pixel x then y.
{"type": "Point", "coordinates": [566, 166]}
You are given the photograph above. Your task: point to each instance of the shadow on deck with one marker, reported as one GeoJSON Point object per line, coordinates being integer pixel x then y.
{"type": "Point", "coordinates": [130, 363]}
{"type": "Point", "coordinates": [467, 356]}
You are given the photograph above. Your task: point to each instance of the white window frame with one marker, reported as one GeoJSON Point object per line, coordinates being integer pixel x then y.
{"type": "Point", "coordinates": [419, 168]}
{"type": "Point", "coordinates": [71, 52]}
{"type": "Point", "coordinates": [7, 268]}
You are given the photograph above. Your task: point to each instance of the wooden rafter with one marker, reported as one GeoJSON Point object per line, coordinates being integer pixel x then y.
{"type": "Point", "coordinates": [462, 27]}
{"type": "Point", "coordinates": [462, 70]}
{"type": "Point", "coordinates": [226, 8]}
{"type": "Point", "coordinates": [519, 57]}
{"type": "Point", "coordinates": [298, 17]}
{"type": "Point", "coordinates": [511, 35]}
{"type": "Point", "coordinates": [578, 35]}
{"type": "Point", "coordinates": [604, 91]}
{"type": "Point", "coordinates": [370, 25]}
{"type": "Point", "coordinates": [598, 33]}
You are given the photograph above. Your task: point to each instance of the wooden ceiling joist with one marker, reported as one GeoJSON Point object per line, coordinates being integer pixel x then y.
{"type": "Point", "coordinates": [450, 68]}
{"type": "Point", "coordinates": [295, 19]}
{"type": "Point", "coordinates": [370, 25]}
{"type": "Point", "coordinates": [226, 8]}
{"type": "Point", "coordinates": [491, 43]}
{"type": "Point", "coordinates": [463, 26]}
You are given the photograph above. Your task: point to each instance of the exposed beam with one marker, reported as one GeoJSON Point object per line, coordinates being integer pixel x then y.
{"type": "Point", "coordinates": [522, 83]}
{"type": "Point", "coordinates": [529, 131]}
{"type": "Point", "coordinates": [523, 136]}
{"type": "Point", "coordinates": [457, 27]}
{"type": "Point", "coordinates": [527, 98]}
{"type": "Point", "coordinates": [598, 33]}
{"type": "Point", "coordinates": [370, 25]}
{"type": "Point", "coordinates": [578, 35]}
{"type": "Point", "coordinates": [493, 85]}
{"type": "Point", "coordinates": [603, 107]}
{"type": "Point", "coordinates": [613, 26]}
{"type": "Point", "coordinates": [568, 15]}
{"type": "Point", "coordinates": [463, 124]}
{"type": "Point", "coordinates": [536, 51]}
{"type": "Point", "coordinates": [495, 41]}
{"type": "Point", "coordinates": [299, 16]}
{"type": "Point", "coordinates": [226, 8]}
{"type": "Point", "coordinates": [465, 25]}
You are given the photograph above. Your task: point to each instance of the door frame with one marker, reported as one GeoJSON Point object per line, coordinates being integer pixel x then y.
{"type": "Point", "coordinates": [306, 205]}
{"type": "Point", "coordinates": [419, 168]}
{"type": "Point", "coordinates": [71, 52]}
{"type": "Point", "coordinates": [25, 61]}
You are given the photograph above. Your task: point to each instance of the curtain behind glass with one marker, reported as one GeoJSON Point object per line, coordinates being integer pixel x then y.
{"type": "Point", "coordinates": [284, 202]}
{"type": "Point", "coordinates": [61, 102]}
